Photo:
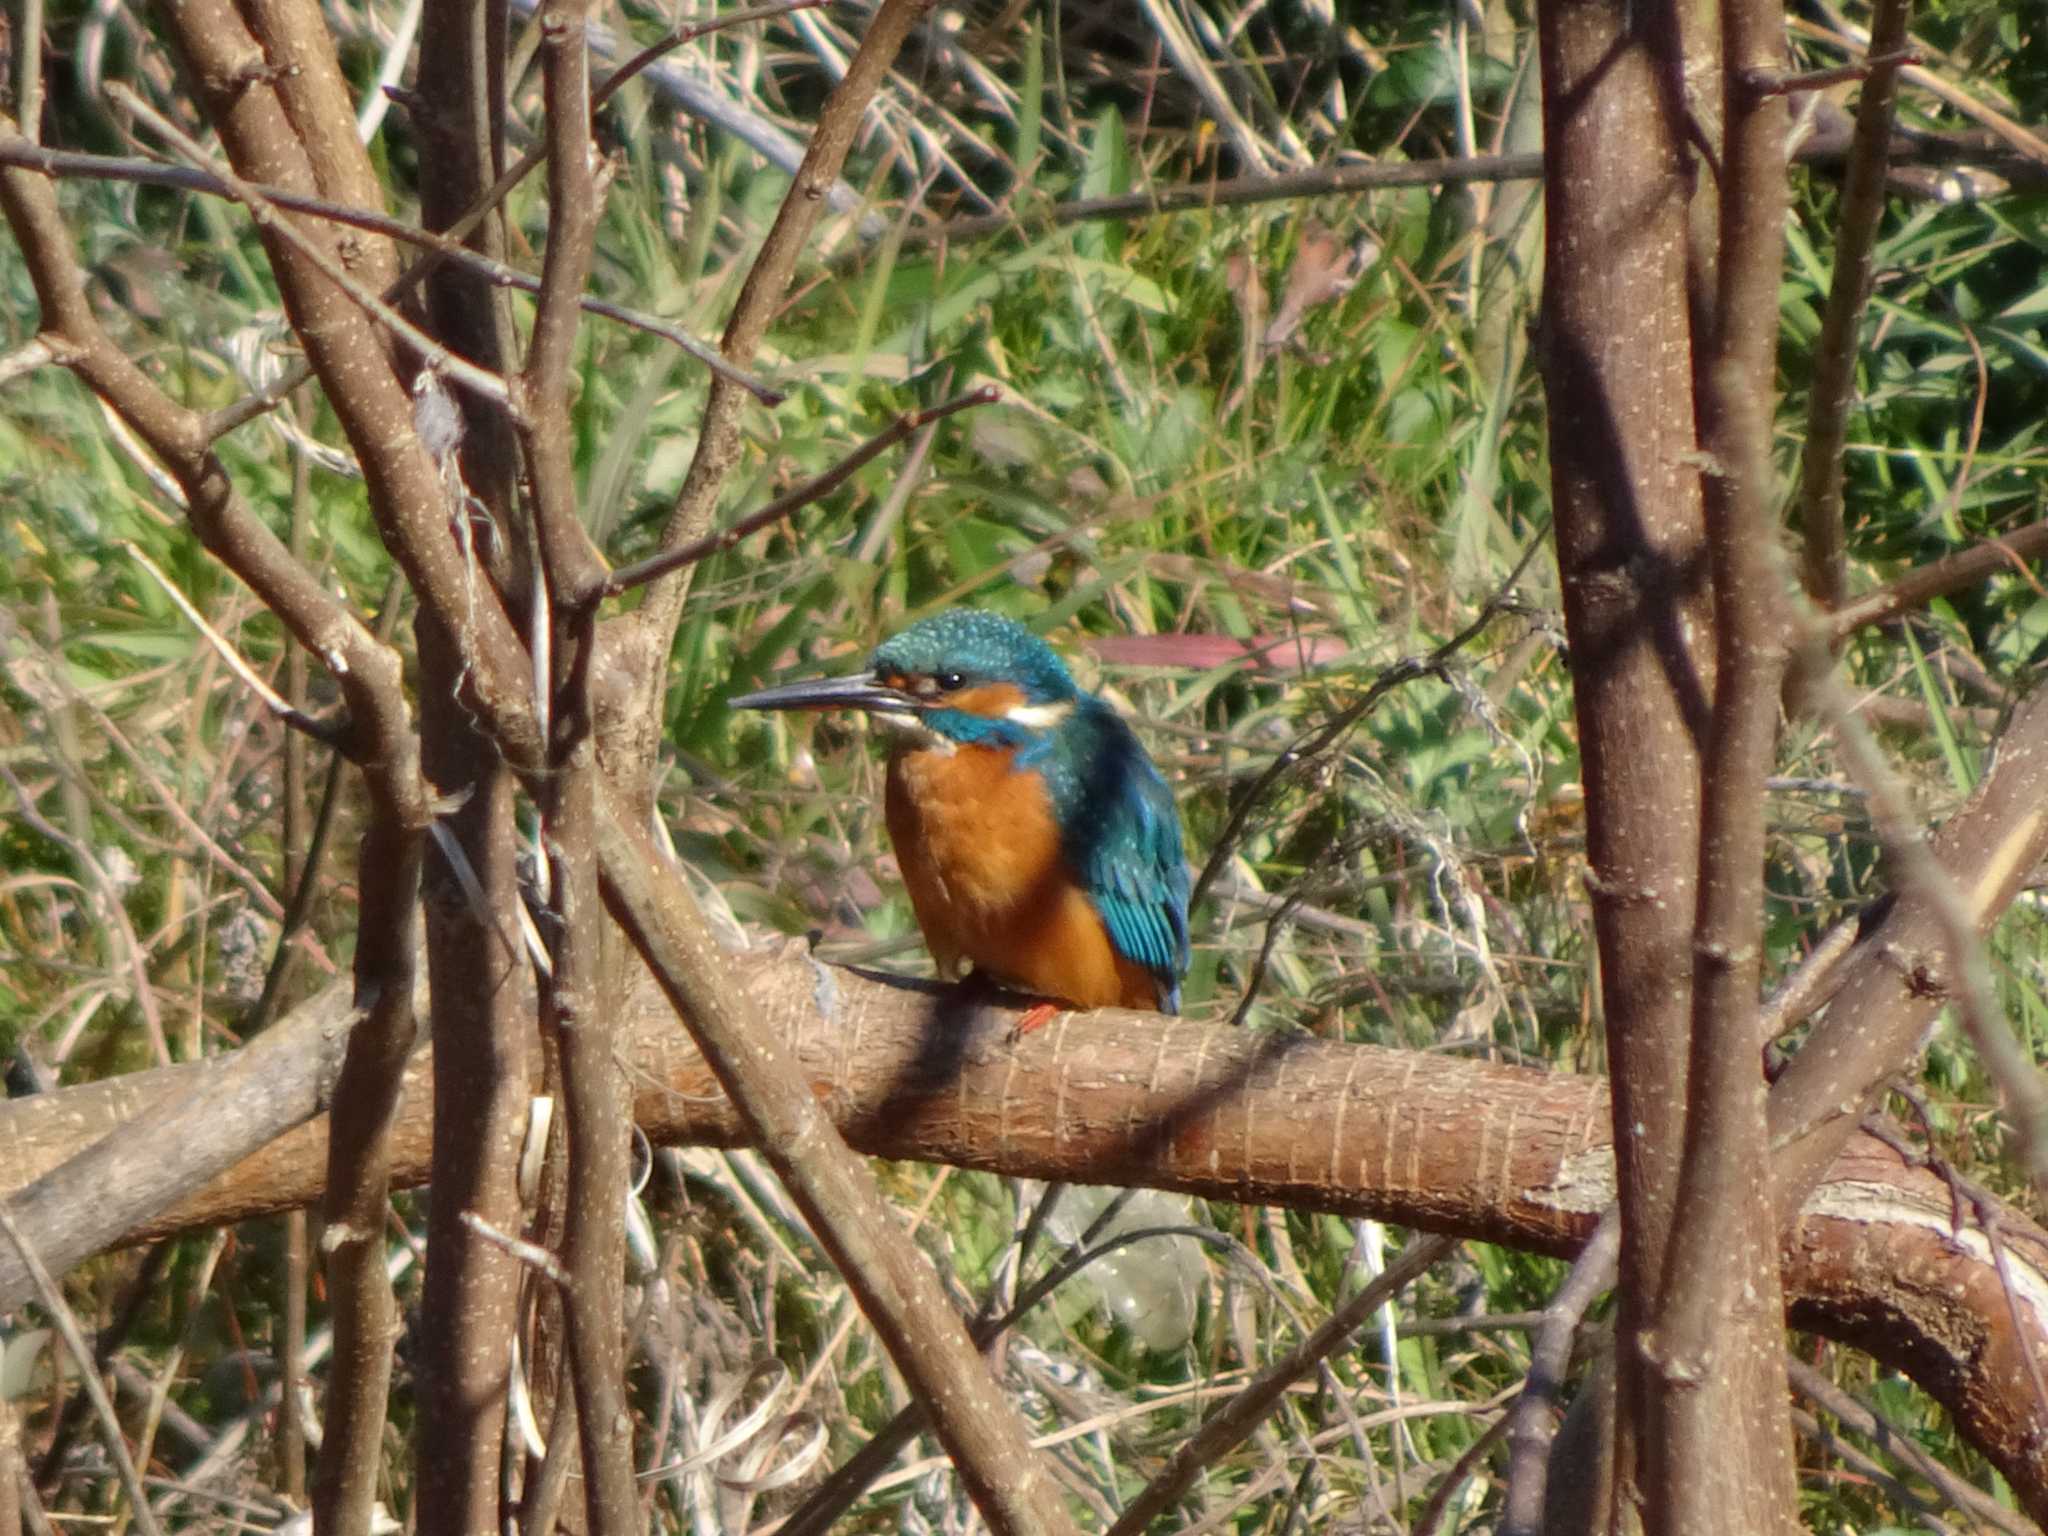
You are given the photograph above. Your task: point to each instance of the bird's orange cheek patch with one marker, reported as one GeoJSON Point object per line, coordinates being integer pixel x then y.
{"type": "Point", "coordinates": [992, 701]}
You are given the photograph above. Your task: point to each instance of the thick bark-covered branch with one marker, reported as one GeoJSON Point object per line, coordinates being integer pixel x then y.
{"type": "Point", "coordinates": [209, 1116]}
{"type": "Point", "coordinates": [273, 125]}
{"type": "Point", "coordinates": [1901, 973]}
{"type": "Point", "coordinates": [359, 1177]}
{"type": "Point", "coordinates": [1500, 1154]}
{"type": "Point", "coordinates": [594, 1098]}
{"type": "Point", "coordinates": [1618, 377]}
{"type": "Point", "coordinates": [1710, 1368]}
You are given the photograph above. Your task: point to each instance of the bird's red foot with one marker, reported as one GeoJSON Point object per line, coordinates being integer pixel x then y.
{"type": "Point", "coordinates": [1037, 1016]}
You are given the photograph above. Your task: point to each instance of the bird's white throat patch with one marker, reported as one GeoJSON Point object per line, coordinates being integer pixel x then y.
{"type": "Point", "coordinates": [908, 726]}
{"type": "Point", "coordinates": [911, 731]}
{"type": "Point", "coordinates": [1040, 717]}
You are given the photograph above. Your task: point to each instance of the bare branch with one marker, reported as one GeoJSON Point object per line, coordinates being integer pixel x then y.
{"type": "Point", "coordinates": [366, 671]}
{"type": "Point", "coordinates": [1955, 906]}
{"type": "Point", "coordinates": [1825, 558]}
{"type": "Point", "coordinates": [718, 436]}
{"type": "Point", "coordinates": [1222, 1431]}
{"type": "Point", "coordinates": [70, 164]}
{"type": "Point", "coordinates": [888, 1275]}
{"type": "Point", "coordinates": [1530, 1431]}
{"type": "Point", "coordinates": [655, 566]}
{"type": "Point", "coordinates": [319, 730]}
{"type": "Point", "coordinates": [1494, 1153]}
{"type": "Point", "coordinates": [575, 572]}
{"type": "Point", "coordinates": [358, 1171]}
{"type": "Point", "coordinates": [2023, 140]}
{"type": "Point", "coordinates": [690, 31]}
{"type": "Point", "coordinates": [51, 1296]}
{"type": "Point", "coordinates": [432, 355]}
{"type": "Point", "coordinates": [1713, 1432]}
{"type": "Point", "coordinates": [1952, 573]}
{"type": "Point", "coordinates": [28, 357]}
{"type": "Point", "coordinates": [599, 1114]}
{"type": "Point", "coordinates": [1767, 84]}
{"type": "Point", "coordinates": [281, 1079]}
{"type": "Point", "coordinates": [1306, 752]}
{"type": "Point", "coordinates": [578, 1007]}
{"type": "Point", "coordinates": [1913, 961]}
{"type": "Point", "coordinates": [1618, 367]}
{"type": "Point", "coordinates": [409, 497]}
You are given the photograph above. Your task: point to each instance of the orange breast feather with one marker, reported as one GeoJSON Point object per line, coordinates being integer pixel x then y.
{"type": "Point", "coordinates": [980, 855]}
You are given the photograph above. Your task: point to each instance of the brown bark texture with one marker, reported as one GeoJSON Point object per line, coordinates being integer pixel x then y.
{"type": "Point", "coordinates": [1617, 350]}
{"type": "Point", "coordinates": [1496, 1153]}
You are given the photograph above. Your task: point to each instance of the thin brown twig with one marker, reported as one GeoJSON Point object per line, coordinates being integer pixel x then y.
{"type": "Point", "coordinates": [830, 1499]}
{"type": "Point", "coordinates": [322, 731]}
{"type": "Point", "coordinates": [574, 570]}
{"type": "Point", "coordinates": [71, 164]}
{"type": "Point", "coordinates": [1318, 741]}
{"type": "Point", "coordinates": [1822, 79]}
{"type": "Point", "coordinates": [910, 422]}
{"type": "Point", "coordinates": [432, 354]}
{"type": "Point", "coordinates": [1529, 1425]}
{"type": "Point", "coordinates": [1956, 912]}
{"type": "Point", "coordinates": [52, 1298]}
{"type": "Point", "coordinates": [1291, 186]}
{"type": "Point", "coordinates": [364, 667]}
{"type": "Point", "coordinates": [689, 31]}
{"type": "Point", "coordinates": [1847, 38]}
{"type": "Point", "coordinates": [839, 123]}
{"type": "Point", "coordinates": [1439, 1502]}
{"type": "Point", "coordinates": [1983, 1206]}
{"type": "Point", "coordinates": [448, 243]}
{"type": "Point", "coordinates": [1868, 1467]}
{"type": "Point", "coordinates": [1951, 573]}
{"type": "Point", "coordinates": [460, 229]}
{"type": "Point", "coordinates": [1825, 557]}
{"type": "Point", "coordinates": [1225, 1429]}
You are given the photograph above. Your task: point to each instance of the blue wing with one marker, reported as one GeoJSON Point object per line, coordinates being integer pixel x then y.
{"type": "Point", "coordinates": [1123, 837]}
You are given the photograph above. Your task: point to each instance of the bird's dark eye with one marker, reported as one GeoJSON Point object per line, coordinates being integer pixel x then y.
{"type": "Point", "coordinates": [949, 682]}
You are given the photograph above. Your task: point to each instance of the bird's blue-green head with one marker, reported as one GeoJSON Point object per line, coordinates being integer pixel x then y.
{"type": "Point", "coordinates": [963, 676]}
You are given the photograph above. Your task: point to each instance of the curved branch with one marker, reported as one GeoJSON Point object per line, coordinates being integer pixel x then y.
{"type": "Point", "coordinates": [1499, 1154]}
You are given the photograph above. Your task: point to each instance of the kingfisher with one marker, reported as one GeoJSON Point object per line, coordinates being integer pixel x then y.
{"type": "Point", "coordinates": [1037, 840]}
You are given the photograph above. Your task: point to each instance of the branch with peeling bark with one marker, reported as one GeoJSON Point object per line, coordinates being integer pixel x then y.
{"type": "Point", "coordinates": [1499, 1154]}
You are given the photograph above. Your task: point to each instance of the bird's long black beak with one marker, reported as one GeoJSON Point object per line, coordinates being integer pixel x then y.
{"type": "Point", "coordinates": [860, 691]}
